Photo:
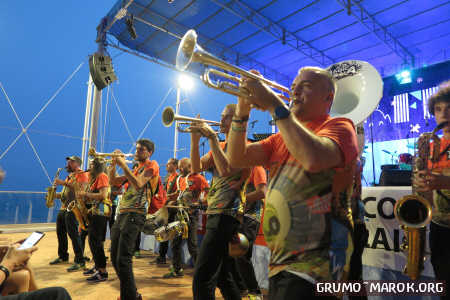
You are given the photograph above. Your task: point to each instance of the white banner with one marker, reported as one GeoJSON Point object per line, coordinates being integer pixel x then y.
{"type": "Point", "coordinates": [385, 236]}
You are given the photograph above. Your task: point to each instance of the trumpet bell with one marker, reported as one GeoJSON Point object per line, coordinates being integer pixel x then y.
{"type": "Point", "coordinates": [359, 90]}
{"type": "Point", "coordinates": [186, 50]}
{"type": "Point", "coordinates": [168, 116]}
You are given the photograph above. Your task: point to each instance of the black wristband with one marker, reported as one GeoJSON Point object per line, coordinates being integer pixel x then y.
{"type": "Point", "coordinates": [5, 270]}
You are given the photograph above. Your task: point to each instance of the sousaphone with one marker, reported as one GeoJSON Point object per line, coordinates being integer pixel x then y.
{"type": "Point", "coordinates": [359, 90]}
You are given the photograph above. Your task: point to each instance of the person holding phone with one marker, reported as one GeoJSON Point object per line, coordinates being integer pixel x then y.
{"type": "Point", "coordinates": [16, 258]}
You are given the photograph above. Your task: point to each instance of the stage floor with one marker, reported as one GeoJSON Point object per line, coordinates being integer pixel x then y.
{"type": "Point", "coordinates": [148, 277]}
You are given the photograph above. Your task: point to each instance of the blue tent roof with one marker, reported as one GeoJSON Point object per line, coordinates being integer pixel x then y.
{"type": "Point", "coordinates": [279, 36]}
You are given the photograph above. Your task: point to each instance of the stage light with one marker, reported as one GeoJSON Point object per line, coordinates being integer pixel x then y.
{"type": "Point", "coordinates": [185, 82]}
{"type": "Point", "coordinates": [403, 77]}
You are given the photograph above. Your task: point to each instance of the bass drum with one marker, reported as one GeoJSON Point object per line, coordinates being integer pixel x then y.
{"type": "Point", "coordinates": [171, 231]}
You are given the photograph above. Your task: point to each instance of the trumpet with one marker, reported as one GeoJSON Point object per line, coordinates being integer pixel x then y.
{"type": "Point", "coordinates": [169, 116]}
{"type": "Point", "coordinates": [109, 161]}
{"type": "Point", "coordinates": [189, 51]}
{"type": "Point", "coordinates": [93, 153]}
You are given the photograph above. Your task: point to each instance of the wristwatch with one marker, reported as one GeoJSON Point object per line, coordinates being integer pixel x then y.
{"type": "Point", "coordinates": [4, 270]}
{"type": "Point", "coordinates": [281, 112]}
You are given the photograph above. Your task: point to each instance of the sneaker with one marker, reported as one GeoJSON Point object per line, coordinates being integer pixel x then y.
{"type": "Point", "coordinates": [59, 261]}
{"type": "Point", "coordinates": [91, 271]}
{"type": "Point", "coordinates": [98, 277]}
{"type": "Point", "coordinates": [255, 297]}
{"type": "Point", "coordinates": [158, 261]}
{"type": "Point", "coordinates": [76, 267]}
{"type": "Point", "coordinates": [86, 258]}
{"type": "Point", "coordinates": [174, 274]}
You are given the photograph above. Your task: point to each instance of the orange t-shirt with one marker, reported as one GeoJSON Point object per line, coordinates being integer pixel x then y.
{"type": "Point", "coordinates": [258, 176]}
{"type": "Point", "coordinates": [149, 166]}
{"type": "Point", "coordinates": [100, 182]}
{"type": "Point", "coordinates": [195, 181]}
{"type": "Point", "coordinates": [444, 158]}
{"type": "Point", "coordinates": [171, 186]}
{"type": "Point", "coordinates": [336, 129]}
{"type": "Point", "coordinates": [80, 177]}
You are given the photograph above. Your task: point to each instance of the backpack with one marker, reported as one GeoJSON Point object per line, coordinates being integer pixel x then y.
{"type": "Point", "coordinates": [158, 197]}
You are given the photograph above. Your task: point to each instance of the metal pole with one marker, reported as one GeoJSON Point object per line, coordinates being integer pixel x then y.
{"type": "Point", "coordinates": [84, 149]}
{"type": "Point", "coordinates": [177, 109]}
{"type": "Point", "coordinates": [95, 114]}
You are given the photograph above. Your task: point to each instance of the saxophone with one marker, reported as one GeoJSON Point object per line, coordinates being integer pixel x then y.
{"type": "Point", "coordinates": [413, 212]}
{"type": "Point", "coordinates": [51, 192]}
{"type": "Point", "coordinates": [78, 208]}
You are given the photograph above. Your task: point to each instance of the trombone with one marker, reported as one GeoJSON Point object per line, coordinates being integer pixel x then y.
{"type": "Point", "coordinates": [189, 51]}
{"type": "Point", "coordinates": [93, 153]}
{"type": "Point", "coordinates": [169, 116]}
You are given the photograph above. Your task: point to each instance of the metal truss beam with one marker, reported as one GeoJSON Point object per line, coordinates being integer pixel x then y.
{"type": "Point", "coordinates": [280, 33]}
{"type": "Point", "coordinates": [362, 15]}
{"type": "Point", "coordinates": [214, 47]}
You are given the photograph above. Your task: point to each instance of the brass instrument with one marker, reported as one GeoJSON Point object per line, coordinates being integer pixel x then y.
{"type": "Point", "coordinates": [169, 116]}
{"type": "Point", "coordinates": [414, 211]}
{"type": "Point", "coordinates": [93, 153]}
{"type": "Point", "coordinates": [51, 192]}
{"type": "Point", "coordinates": [79, 209]}
{"type": "Point", "coordinates": [189, 51]}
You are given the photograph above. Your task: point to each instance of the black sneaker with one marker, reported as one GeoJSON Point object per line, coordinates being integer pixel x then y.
{"type": "Point", "coordinates": [89, 272]}
{"type": "Point", "coordinates": [59, 261]}
{"type": "Point", "coordinates": [86, 258]}
{"type": "Point", "coordinates": [98, 277]}
{"type": "Point", "coordinates": [158, 261]}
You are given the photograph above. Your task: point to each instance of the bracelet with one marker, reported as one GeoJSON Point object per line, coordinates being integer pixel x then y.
{"type": "Point", "coordinates": [238, 128]}
{"type": "Point", "coordinates": [5, 270]}
{"type": "Point", "coordinates": [240, 119]}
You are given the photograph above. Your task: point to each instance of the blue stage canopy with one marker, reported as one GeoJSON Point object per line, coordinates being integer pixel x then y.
{"type": "Point", "coordinates": [279, 36]}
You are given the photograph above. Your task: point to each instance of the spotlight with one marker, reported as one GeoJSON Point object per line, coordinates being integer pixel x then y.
{"type": "Point", "coordinates": [130, 27]}
{"type": "Point", "coordinates": [185, 82]}
{"type": "Point", "coordinates": [403, 77]}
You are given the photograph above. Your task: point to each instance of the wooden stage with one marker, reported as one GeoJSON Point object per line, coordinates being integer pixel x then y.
{"type": "Point", "coordinates": [149, 278]}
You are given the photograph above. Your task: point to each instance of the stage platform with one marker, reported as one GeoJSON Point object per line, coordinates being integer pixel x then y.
{"type": "Point", "coordinates": [149, 278]}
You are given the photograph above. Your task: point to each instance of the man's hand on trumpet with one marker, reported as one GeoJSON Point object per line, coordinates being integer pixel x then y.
{"type": "Point", "coordinates": [261, 96]}
{"type": "Point", "coordinates": [118, 160]}
{"type": "Point", "coordinates": [199, 129]}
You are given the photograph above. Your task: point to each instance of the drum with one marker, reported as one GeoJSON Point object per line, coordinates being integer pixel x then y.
{"type": "Point", "coordinates": [171, 231]}
{"type": "Point", "coordinates": [405, 161]}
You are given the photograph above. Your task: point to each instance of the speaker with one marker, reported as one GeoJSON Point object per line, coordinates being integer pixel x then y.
{"type": "Point", "coordinates": [393, 177]}
{"type": "Point", "coordinates": [101, 69]}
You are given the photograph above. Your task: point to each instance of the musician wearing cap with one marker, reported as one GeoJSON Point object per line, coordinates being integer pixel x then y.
{"type": "Point", "coordinates": [189, 187]}
{"type": "Point", "coordinates": [225, 209]}
{"type": "Point", "coordinates": [137, 185]}
{"type": "Point", "coordinates": [66, 222]}
{"type": "Point", "coordinates": [99, 205]}
{"type": "Point", "coordinates": [437, 179]}
{"type": "Point", "coordinates": [311, 163]}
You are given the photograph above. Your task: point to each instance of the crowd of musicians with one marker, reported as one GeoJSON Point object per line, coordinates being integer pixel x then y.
{"type": "Point", "coordinates": [309, 204]}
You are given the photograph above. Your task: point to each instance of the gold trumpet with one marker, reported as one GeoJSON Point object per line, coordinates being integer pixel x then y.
{"type": "Point", "coordinates": [169, 116]}
{"type": "Point", "coordinates": [93, 153]}
{"type": "Point", "coordinates": [189, 51]}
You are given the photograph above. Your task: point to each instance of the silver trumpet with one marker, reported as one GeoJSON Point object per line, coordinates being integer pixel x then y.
{"type": "Point", "coordinates": [169, 116]}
